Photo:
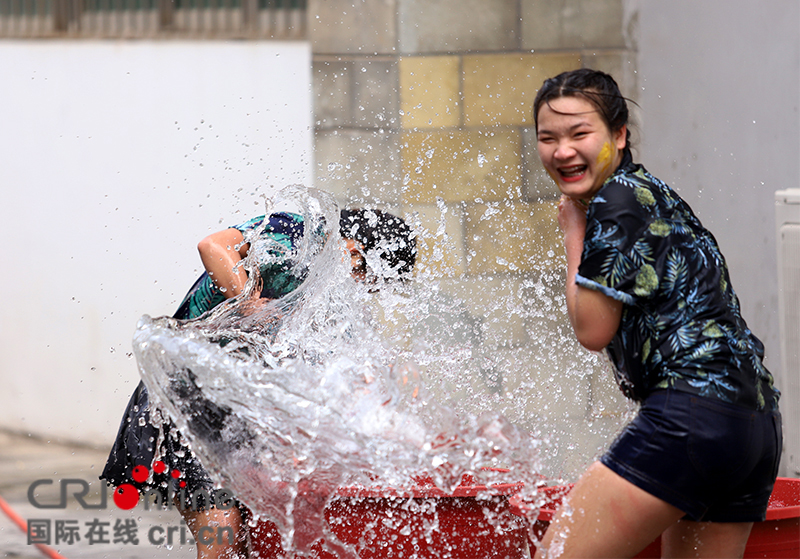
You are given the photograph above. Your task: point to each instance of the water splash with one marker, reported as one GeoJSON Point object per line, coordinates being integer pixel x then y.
{"type": "Point", "coordinates": [287, 400]}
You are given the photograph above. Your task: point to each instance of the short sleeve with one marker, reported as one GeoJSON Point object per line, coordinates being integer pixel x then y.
{"type": "Point", "coordinates": [619, 248]}
{"type": "Point", "coordinates": [250, 224]}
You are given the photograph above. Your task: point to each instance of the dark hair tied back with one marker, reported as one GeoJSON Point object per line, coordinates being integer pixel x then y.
{"type": "Point", "coordinates": [597, 87]}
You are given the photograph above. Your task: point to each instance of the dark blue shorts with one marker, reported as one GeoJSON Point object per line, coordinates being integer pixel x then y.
{"type": "Point", "coordinates": [715, 461]}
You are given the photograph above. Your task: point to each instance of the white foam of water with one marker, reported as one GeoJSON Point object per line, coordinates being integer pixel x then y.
{"type": "Point", "coordinates": [312, 394]}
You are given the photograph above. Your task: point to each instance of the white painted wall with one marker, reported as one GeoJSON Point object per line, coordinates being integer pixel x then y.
{"type": "Point", "coordinates": [117, 157]}
{"type": "Point", "coordinates": [720, 91]}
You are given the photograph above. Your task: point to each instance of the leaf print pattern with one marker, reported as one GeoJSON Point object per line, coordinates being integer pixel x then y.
{"type": "Point", "coordinates": [681, 326]}
{"type": "Point", "coordinates": [644, 196]}
{"type": "Point", "coordinates": [713, 384]}
{"type": "Point", "coordinates": [646, 281]}
{"type": "Point", "coordinates": [676, 277]}
{"type": "Point", "coordinates": [660, 228]}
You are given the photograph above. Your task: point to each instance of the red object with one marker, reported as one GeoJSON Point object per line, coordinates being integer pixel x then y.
{"type": "Point", "coordinates": [422, 522]}
{"type": "Point", "coordinates": [22, 524]}
{"type": "Point", "coordinates": [425, 522]}
{"type": "Point", "coordinates": [778, 537]}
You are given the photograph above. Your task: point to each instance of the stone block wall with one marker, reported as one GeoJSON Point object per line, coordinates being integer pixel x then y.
{"type": "Point", "coordinates": [423, 108]}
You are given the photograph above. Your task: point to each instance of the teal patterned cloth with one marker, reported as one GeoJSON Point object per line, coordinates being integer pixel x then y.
{"type": "Point", "coordinates": [278, 278]}
{"type": "Point", "coordinates": [681, 325]}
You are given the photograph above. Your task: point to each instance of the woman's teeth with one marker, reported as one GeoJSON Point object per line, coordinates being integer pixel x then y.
{"type": "Point", "coordinates": [572, 171]}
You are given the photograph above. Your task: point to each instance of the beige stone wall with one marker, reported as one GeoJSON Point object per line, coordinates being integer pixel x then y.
{"type": "Point", "coordinates": [424, 108]}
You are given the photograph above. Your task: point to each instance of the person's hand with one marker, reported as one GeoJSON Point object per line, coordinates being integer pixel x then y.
{"type": "Point", "coordinates": [571, 215]}
{"type": "Point", "coordinates": [253, 305]}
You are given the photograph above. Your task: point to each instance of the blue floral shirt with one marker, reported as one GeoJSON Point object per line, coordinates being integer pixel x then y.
{"type": "Point", "coordinates": [681, 325]}
{"type": "Point", "coordinates": [277, 277]}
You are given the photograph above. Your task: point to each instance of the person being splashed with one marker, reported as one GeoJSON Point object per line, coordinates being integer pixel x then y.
{"type": "Point", "coordinates": [380, 247]}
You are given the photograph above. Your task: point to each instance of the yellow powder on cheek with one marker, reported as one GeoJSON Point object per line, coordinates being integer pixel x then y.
{"type": "Point", "coordinates": [604, 158]}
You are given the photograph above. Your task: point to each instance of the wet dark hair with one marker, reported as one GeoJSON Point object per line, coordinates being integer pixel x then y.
{"type": "Point", "coordinates": [386, 234]}
{"type": "Point", "coordinates": [595, 86]}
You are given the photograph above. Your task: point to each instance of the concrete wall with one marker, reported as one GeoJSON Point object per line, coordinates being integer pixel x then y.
{"type": "Point", "coordinates": [424, 108]}
{"type": "Point", "coordinates": [720, 87]}
{"type": "Point", "coordinates": [117, 158]}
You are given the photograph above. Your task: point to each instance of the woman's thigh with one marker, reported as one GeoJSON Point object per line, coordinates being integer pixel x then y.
{"type": "Point", "coordinates": [605, 515]}
{"type": "Point", "coordinates": [687, 538]}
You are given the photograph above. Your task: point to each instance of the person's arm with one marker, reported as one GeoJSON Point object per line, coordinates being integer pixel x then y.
{"type": "Point", "coordinates": [594, 316]}
{"type": "Point", "coordinates": [219, 255]}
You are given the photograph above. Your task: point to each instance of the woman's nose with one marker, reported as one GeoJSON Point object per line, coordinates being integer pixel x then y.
{"type": "Point", "coordinates": [564, 151]}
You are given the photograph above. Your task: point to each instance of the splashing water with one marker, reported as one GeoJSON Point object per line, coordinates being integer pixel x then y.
{"type": "Point", "coordinates": [279, 396]}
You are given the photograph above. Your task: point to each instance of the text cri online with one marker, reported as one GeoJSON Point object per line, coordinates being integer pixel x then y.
{"type": "Point", "coordinates": [206, 535]}
{"type": "Point", "coordinates": [125, 531]}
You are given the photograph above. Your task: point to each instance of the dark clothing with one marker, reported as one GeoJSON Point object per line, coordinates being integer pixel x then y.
{"type": "Point", "coordinates": [681, 326]}
{"type": "Point", "coordinates": [715, 461]}
{"type": "Point", "coordinates": [707, 438]}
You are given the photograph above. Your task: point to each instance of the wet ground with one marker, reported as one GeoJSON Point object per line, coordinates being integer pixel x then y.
{"type": "Point", "coordinates": [75, 531]}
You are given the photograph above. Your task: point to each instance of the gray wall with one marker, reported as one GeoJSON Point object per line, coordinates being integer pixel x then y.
{"type": "Point", "coordinates": [719, 90]}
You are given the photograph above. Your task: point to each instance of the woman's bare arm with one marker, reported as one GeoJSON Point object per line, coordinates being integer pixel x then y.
{"type": "Point", "coordinates": [595, 317]}
{"type": "Point", "coordinates": [219, 255]}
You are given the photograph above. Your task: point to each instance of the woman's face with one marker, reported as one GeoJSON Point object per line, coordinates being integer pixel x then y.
{"type": "Point", "coordinates": [576, 146]}
{"type": "Point", "coordinates": [358, 264]}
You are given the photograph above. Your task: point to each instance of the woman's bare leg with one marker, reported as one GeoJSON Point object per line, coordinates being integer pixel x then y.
{"type": "Point", "coordinates": [213, 543]}
{"type": "Point", "coordinates": [705, 539]}
{"type": "Point", "coordinates": [606, 516]}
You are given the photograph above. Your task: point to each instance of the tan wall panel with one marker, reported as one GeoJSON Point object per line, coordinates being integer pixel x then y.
{"type": "Point", "coordinates": [460, 165]}
{"type": "Point", "coordinates": [571, 24]}
{"type": "Point", "coordinates": [430, 94]}
{"type": "Point", "coordinates": [517, 238]}
{"type": "Point", "coordinates": [499, 89]}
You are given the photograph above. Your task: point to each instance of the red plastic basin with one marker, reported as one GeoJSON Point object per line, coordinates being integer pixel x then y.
{"type": "Point", "coordinates": [419, 522]}
{"type": "Point", "coordinates": [777, 537]}
{"type": "Point", "coordinates": [425, 522]}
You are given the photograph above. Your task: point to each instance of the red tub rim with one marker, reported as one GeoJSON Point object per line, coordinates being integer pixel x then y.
{"type": "Point", "coordinates": [378, 492]}
{"type": "Point", "coordinates": [424, 488]}
{"type": "Point", "coordinates": [785, 499]}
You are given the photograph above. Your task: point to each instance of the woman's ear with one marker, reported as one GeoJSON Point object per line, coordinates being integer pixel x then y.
{"type": "Point", "coordinates": [621, 137]}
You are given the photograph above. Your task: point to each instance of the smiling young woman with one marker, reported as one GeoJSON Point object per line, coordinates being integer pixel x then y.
{"type": "Point", "coordinates": [647, 283]}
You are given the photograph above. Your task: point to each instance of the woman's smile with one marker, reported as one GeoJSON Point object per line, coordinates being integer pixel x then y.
{"type": "Point", "coordinates": [572, 173]}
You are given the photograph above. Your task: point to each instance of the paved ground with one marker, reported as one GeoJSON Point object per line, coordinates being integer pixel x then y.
{"type": "Point", "coordinates": [24, 460]}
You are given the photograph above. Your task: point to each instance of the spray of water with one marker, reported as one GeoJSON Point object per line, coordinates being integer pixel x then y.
{"type": "Point", "coordinates": [287, 400]}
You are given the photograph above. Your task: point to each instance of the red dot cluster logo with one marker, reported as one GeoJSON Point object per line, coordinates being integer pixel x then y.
{"type": "Point", "coordinates": [126, 496]}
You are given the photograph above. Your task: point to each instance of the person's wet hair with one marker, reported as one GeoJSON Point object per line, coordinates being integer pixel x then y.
{"type": "Point", "coordinates": [383, 234]}
{"type": "Point", "coordinates": [595, 86]}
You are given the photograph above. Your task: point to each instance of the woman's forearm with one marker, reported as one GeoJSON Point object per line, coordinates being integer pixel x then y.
{"type": "Point", "coordinates": [220, 256]}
